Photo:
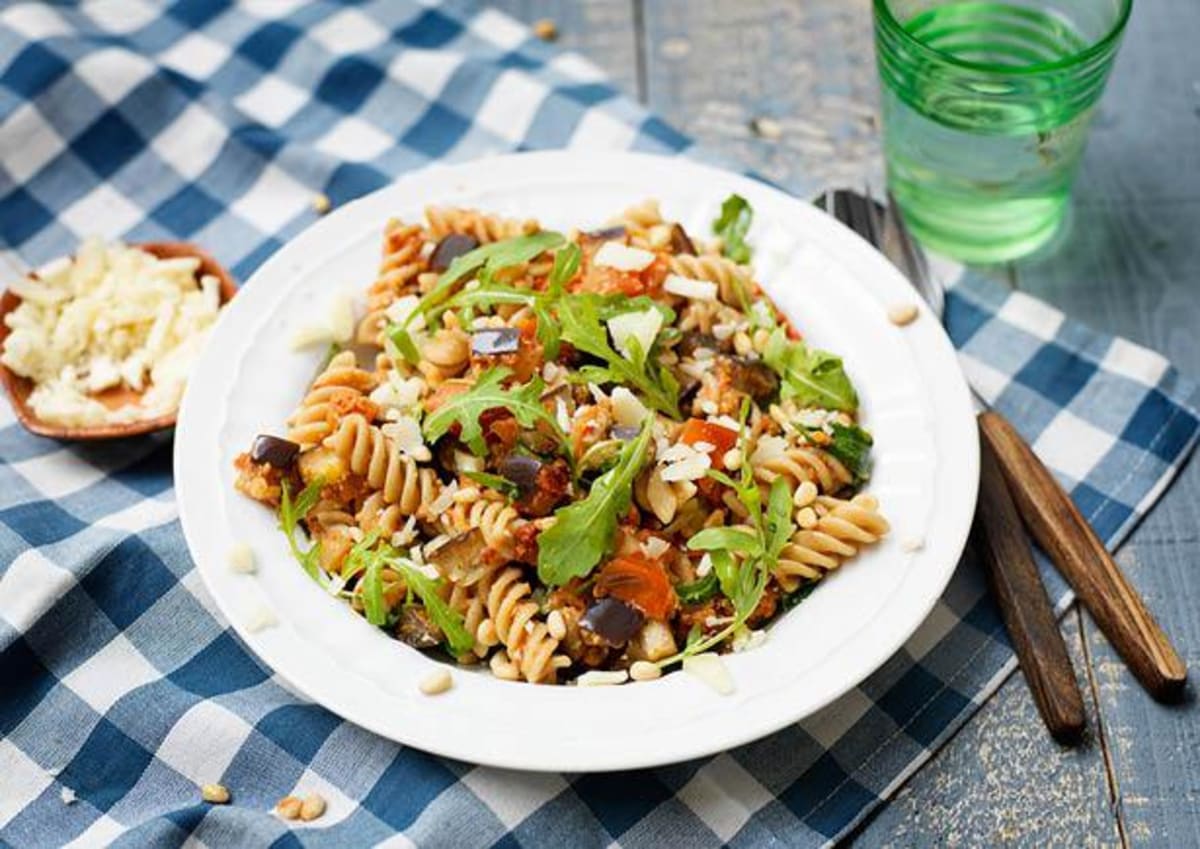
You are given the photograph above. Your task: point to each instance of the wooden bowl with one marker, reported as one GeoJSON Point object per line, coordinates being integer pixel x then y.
{"type": "Point", "coordinates": [19, 388]}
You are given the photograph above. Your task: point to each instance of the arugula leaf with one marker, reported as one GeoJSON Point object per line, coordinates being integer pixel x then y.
{"type": "Point", "coordinates": [851, 445]}
{"type": "Point", "coordinates": [699, 590]}
{"type": "Point", "coordinates": [566, 263]}
{"type": "Point", "coordinates": [809, 376]}
{"type": "Point", "coordinates": [291, 514]}
{"type": "Point", "coordinates": [583, 532]}
{"type": "Point", "coordinates": [580, 317]}
{"type": "Point", "coordinates": [404, 343]}
{"type": "Point", "coordinates": [486, 259]}
{"type": "Point", "coordinates": [458, 638]}
{"type": "Point", "coordinates": [374, 606]}
{"type": "Point", "coordinates": [356, 557]}
{"type": "Point", "coordinates": [727, 539]}
{"type": "Point", "coordinates": [524, 402]}
{"type": "Point", "coordinates": [496, 482]}
{"type": "Point", "coordinates": [777, 524]}
{"type": "Point", "coordinates": [732, 225]}
{"type": "Point", "coordinates": [725, 567]}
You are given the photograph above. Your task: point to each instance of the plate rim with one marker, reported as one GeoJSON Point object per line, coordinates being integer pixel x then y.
{"type": "Point", "coordinates": [951, 389]}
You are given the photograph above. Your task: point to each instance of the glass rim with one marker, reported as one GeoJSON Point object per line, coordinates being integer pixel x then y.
{"type": "Point", "coordinates": [883, 12]}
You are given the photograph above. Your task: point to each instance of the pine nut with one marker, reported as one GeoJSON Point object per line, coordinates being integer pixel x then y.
{"type": "Point", "coordinates": [218, 794]}
{"type": "Point", "coordinates": [321, 203]}
{"type": "Point", "coordinates": [805, 495]}
{"type": "Point", "coordinates": [556, 625]}
{"type": "Point", "coordinates": [806, 518]}
{"type": "Point", "coordinates": [288, 807]}
{"type": "Point", "coordinates": [732, 459]}
{"type": "Point", "coordinates": [436, 682]}
{"type": "Point", "coordinates": [644, 670]}
{"type": "Point", "coordinates": [241, 558]}
{"type": "Point", "coordinates": [312, 807]}
{"type": "Point", "coordinates": [545, 29]}
{"type": "Point", "coordinates": [902, 314]}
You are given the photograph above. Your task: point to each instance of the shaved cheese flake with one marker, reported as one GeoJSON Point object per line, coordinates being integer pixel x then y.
{"type": "Point", "coordinates": [642, 326]}
{"type": "Point", "coordinates": [710, 669]}
{"type": "Point", "coordinates": [341, 318]}
{"type": "Point", "coordinates": [627, 410]}
{"type": "Point", "coordinates": [688, 287]}
{"type": "Point", "coordinates": [405, 432]}
{"type": "Point", "coordinates": [622, 257]}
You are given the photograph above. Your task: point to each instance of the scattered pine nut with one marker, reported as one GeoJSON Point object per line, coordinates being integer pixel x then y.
{"type": "Point", "coordinates": [241, 558]}
{"type": "Point", "coordinates": [732, 459]}
{"type": "Point", "coordinates": [806, 518]}
{"type": "Point", "coordinates": [556, 625]}
{"type": "Point", "coordinates": [602, 678]}
{"type": "Point", "coordinates": [289, 807]}
{"type": "Point", "coordinates": [218, 794]}
{"type": "Point", "coordinates": [545, 29]}
{"type": "Point", "coordinates": [644, 670]}
{"type": "Point", "coordinates": [436, 682]}
{"type": "Point", "coordinates": [675, 48]}
{"type": "Point", "coordinates": [312, 807]}
{"type": "Point", "coordinates": [912, 544]}
{"type": "Point", "coordinates": [902, 314]}
{"type": "Point", "coordinates": [766, 128]}
{"type": "Point", "coordinates": [321, 203]}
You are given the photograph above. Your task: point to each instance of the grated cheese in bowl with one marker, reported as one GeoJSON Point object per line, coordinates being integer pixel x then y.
{"type": "Point", "coordinates": [113, 321]}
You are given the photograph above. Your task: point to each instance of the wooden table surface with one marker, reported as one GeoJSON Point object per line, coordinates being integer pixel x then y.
{"type": "Point", "coordinates": [1130, 264]}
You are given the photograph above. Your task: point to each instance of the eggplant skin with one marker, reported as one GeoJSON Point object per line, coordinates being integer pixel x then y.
{"type": "Point", "coordinates": [450, 248]}
{"type": "Point", "coordinates": [612, 620]}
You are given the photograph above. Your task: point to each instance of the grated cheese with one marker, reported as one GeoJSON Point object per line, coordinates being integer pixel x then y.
{"type": "Point", "coordinates": [111, 316]}
{"type": "Point", "coordinates": [687, 287]}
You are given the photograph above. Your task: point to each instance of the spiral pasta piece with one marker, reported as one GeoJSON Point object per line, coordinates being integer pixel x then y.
{"type": "Point", "coordinates": [804, 463]}
{"type": "Point", "coordinates": [526, 638]}
{"type": "Point", "coordinates": [444, 220]}
{"type": "Point", "coordinates": [370, 453]}
{"type": "Point", "coordinates": [842, 528]}
{"type": "Point", "coordinates": [339, 389]}
{"type": "Point", "coordinates": [493, 515]}
{"type": "Point", "coordinates": [401, 265]}
{"type": "Point", "coordinates": [735, 286]}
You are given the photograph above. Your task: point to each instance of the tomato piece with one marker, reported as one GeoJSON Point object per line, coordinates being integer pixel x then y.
{"type": "Point", "coordinates": [721, 438]}
{"type": "Point", "coordinates": [640, 581]}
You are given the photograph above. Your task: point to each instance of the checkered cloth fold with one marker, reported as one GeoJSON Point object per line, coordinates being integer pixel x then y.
{"type": "Point", "coordinates": [122, 689]}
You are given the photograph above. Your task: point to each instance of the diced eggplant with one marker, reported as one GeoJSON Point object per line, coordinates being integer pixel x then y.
{"type": "Point", "coordinates": [694, 339]}
{"type": "Point", "coordinates": [450, 248]}
{"type": "Point", "coordinates": [613, 620]}
{"type": "Point", "coordinates": [459, 553]}
{"type": "Point", "coordinates": [415, 628]}
{"type": "Point", "coordinates": [681, 243]}
{"type": "Point", "coordinates": [495, 340]}
{"type": "Point", "coordinates": [552, 484]}
{"type": "Point", "coordinates": [522, 470]}
{"type": "Point", "coordinates": [625, 433]}
{"type": "Point", "coordinates": [753, 377]}
{"type": "Point", "coordinates": [280, 453]}
{"type": "Point", "coordinates": [607, 234]}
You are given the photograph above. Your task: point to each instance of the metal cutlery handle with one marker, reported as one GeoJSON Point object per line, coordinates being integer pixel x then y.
{"type": "Point", "coordinates": [1062, 532]}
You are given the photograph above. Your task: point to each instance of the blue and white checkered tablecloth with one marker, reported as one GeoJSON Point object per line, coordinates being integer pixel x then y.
{"type": "Point", "coordinates": [121, 689]}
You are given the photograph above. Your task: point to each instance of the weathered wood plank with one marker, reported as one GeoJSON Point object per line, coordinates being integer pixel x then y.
{"type": "Point", "coordinates": [713, 67]}
{"type": "Point", "coordinates": [1003, 782]}
{"type": "Point", "coordinates": [602, 30]}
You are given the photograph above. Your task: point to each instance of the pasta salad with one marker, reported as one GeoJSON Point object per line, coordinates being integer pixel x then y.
{"type": "Point", "coordinates": [579, 456]}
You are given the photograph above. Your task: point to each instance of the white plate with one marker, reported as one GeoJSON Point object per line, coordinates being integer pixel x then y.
{"type": "Point", "coordinates": [836, 289]}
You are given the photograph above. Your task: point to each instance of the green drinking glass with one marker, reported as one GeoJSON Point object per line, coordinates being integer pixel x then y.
{"type": "Point", "coordinates": [986, 106]}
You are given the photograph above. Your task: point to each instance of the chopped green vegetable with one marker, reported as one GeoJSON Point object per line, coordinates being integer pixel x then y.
{"type": "Point", "coordinates": [404, 343]}
{"type": "Point", "coordinates": [524, 402]}
{"type": "Point", "coordinates": [458, 638]}
{"type": "Point", "coordinates": [732, 225]}
{"type": "Point", "coordinates": [566, 264]}
{"type": "Point", "coordinates": [810, 377]}
{"type": "Point", "coordinates": [356, 557]}
{"type": "Point", "coordinates": [291, 514]}
{"type": "Point", "coordinates": [725, 539]}
{"type": "Point", "coordinates": [496, 482]}
{"type": "Point", "coordinates": [580, 317]}
{"type": "Point", "coordinates": [699, 590]}
{"type": "Point", "coordinates": [851, 445]}
{"type": "Point", "coordinates": [583, 532]}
